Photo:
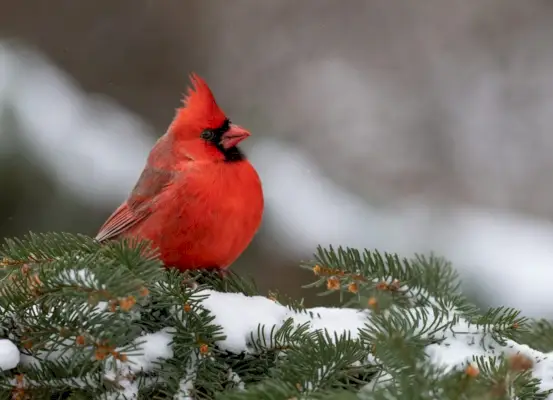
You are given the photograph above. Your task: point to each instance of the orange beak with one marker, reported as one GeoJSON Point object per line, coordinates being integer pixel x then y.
{"type": "Point", "coordinates": [233, 136]}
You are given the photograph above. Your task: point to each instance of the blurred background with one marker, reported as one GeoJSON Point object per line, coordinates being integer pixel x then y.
{"type": "Point", "coordinates": [397, 125]}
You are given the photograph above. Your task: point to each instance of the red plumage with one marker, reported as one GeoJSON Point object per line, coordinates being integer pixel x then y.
{"type": "Point", "coordinates": [199, 200]}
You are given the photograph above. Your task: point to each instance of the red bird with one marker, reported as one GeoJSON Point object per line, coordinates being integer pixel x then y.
{"type": "Point", "coordinates": [199, 201]}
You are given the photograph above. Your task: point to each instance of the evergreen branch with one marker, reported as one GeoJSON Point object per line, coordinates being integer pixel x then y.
{"type": "Point", "coordinates": [294, 305]}
{"type": "Point", "coordinates": [93, 321]}
{"type": "Point", "coordinates": [41, 247]}
{"type": "Point", "coordinates": [502, 323]}
{"type": "Point", "coordinates": [539, 335]}
{"type": "Point", "coordinates": [270, 389]}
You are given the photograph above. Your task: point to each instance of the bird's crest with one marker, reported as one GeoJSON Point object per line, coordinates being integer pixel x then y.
{"type": "Point", "coordinates": [200, 110]}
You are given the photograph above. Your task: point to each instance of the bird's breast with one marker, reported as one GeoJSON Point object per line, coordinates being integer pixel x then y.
{"type": "Point", "coordinates": [220, 209]}
{"type": "Point", "coordinates": [236, 199]}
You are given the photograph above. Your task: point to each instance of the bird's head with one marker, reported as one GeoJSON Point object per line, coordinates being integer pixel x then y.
{"type": "Point", "coordinates": [201, 119]}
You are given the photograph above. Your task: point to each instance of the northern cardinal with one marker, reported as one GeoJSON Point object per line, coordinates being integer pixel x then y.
{"type": "Point", "coordinates": [199, 200]}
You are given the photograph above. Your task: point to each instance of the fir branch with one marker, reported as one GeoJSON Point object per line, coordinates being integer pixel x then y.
{"type": "Point", "coordinates": [538, 334]}
{"type": "Point", "coordinates": [95, 321]}
{"type": "Point", "coordinates": [42, 247]}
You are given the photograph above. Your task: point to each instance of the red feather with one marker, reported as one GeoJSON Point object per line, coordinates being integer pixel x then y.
{"type": "Point", "coordinates": [137, 207]}
{"type": "Point", "coordinates": [200, 110]}
{"type": "Point", "coordinates": [196, 205]}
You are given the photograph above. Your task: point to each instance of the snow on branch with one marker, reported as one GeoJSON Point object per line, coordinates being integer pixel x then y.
{"type": "Point", "coordinates": [452, 341]}
{"type": "Point", "coordinates": [240, 316]}
{"type": "Point", "coordinates": [9, 355]}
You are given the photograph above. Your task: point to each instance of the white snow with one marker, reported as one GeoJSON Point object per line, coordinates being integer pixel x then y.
{"type": "Point", "coordinates": [240, 315]}
{"type": "Point", "coordinates": [333, 320]}
{"type": "Point", "coordinates": [149, 349]}
{"type": "Point", "coordinates": [9, 355]}
{"type": "Point", "coordinates": [186, 384]}
{"type": "Point", "coordinates": [129, 389]}
{"type": "Point", "coordinates": [250, 312]}
{"type": "Point", "coordinates": [234, 377]}
{"type": "Point", "coordinates": [185, 389]}
{"type": "Point", "coordinates": [81, 276]}
{"type": "Point", "coordinates": [244, 313]}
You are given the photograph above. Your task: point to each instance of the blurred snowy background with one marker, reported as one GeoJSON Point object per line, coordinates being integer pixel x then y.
{"type": "Point", "coordinates": [403, 126]}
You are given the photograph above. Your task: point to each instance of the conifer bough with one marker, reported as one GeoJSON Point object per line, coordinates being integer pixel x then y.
{"type": "Point", "coordinates": [79, 320]}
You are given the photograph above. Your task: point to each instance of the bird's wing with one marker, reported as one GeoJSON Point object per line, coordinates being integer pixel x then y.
{"type": "Point", "coordinates": [122, 219]}
{"type": "Point", "coordinates": [138, 207]}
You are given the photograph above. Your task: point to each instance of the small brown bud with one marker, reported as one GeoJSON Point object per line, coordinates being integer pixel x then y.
{"type": "Point", "coordinates": [127, 303]}
{"type": "Point", "coordinates": [5, 261]}
{"type": "Point", "coordinates": [102, 351]}
{"type": "Point", "coordinates": [472, 371]}
{"type": "Point", "coordinates": [27, 344]}
{"type": "Point", "coordinates": [373, 302]}
{"type": "Point", "coordinates": [333, 283]}
{"type": "Point", "coordinates": [519, 362]}
{"type": "Point", "coordinates": [100, 354]}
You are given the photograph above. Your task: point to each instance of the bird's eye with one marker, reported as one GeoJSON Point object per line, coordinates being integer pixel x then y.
{"type": "Point", "coordinates": [207, 134]}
